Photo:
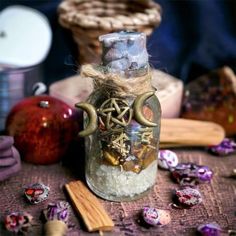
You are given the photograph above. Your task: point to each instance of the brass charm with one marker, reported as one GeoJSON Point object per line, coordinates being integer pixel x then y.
{"type": "Point", "coordinates": [118, 144]}
{"type": "Point", "coordinates": [138, 105]}
{"type": "Point", "coordinates": [146, 135]}
{"type": "Point", "coordinates": [92, 115]}
{"type": "Point", "coordinates": [115, 112]}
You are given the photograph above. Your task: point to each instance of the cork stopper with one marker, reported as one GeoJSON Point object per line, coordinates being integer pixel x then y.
{"type": "Point", "coordinates": [124, 52]}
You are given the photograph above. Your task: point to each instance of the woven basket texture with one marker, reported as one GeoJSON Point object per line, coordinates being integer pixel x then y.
{"type": "Point", "coordinates": [87, 20]}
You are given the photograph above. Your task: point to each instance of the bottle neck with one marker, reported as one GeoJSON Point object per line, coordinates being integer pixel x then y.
{"type": "Point", "coordinates": [125, 54]}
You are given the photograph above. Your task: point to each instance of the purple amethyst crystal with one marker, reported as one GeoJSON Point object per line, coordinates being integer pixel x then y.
{"type": "Point", "coordinates": [191, 174]}
{"type": "Point", "coordinates": [167, 159]}
{"type": "Point", "coordinates": [204, 174]}
{"type": "Point", "coordinates": [226, 147]}
{"type": "Point", "coordinates": [57, 211]}
{"type": "Point", "coordinates": [211, 229]}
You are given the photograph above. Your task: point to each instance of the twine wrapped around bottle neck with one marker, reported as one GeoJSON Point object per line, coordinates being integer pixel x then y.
{"type": "Point", "coordinates": [113, 83]}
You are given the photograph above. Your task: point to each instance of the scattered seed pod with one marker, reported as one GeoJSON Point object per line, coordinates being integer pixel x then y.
{"type": "Point", "coordinates": [156, 217]}
{"type": "Point", "coordinates": [191, 174]}
{"type": "Point", "coordinates": [210, 229]}
{"type": "Point", "coordinates": [36, 193]}
{"type": "Point", "coordinates": [226, 147]}
{"type": "Point", "coordinates": [18, 222]}
{"type": "Point", "coordinates": [167, 159]}
{"type": "Point", "coordinates": [188, 197]}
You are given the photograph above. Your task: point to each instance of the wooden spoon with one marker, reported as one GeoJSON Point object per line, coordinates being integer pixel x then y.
{"type": "Point", "coordinates": [184, 132]}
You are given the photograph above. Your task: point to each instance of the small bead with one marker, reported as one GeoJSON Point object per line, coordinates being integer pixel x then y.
{"type": "Point", "coordinates": [167, 159]}
{"type": "Point", "coordinates": [211, 229]}
{"type": "Point", "coordinates": [36, 193]}
{"type": "Point", "coordinates": [188, 197]}
{"type": "Point", "coordinates": [156, 217]}
{"type": "Point", "coordinates": [18, 222]}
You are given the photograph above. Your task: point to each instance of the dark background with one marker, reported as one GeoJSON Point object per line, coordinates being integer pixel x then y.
{"type": "Point", "coordinates": [195, 36]}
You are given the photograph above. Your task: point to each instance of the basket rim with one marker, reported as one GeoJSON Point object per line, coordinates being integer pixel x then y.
{"type": "Point", "coordinates": [151, 16]}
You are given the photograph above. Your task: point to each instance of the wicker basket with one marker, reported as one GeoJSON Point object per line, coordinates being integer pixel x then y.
{"type": "Point", "coordinates": [89, 19]}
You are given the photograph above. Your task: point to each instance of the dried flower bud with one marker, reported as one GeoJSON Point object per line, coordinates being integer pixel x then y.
{"type": "Point", "coordinates": [57, 211]}
{"type": "Point", "coordinates": [188, 197]}
{"type": "Point", "coordinates": [18, 222]}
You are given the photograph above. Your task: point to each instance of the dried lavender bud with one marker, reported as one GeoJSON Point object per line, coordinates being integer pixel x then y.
{"type": "Point", "coordinates": [37, 193]}
{"type": "Point", "coordinates": [191, 174]}
{"type": "Point", "coordinates": [188, 197]}
{"type": "Point", "coordinates": [210, 229]}
{"type": "Point", "coordinates": [226, 147]}
{"type": "Point", "coordinates": [167, 159]}
{"type": "Point", "coordinates": [57, 211]}
{"type": "Point", "coordinates": [18, 222]}
{"type": "Point", "coordinates": [154, 216]}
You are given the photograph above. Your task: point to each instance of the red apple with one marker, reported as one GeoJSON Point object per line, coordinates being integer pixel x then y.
{"type": "Point", "coordinates": [43, 128]}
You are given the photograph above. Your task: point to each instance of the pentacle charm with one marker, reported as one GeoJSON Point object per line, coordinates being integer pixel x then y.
{"type": "Point", "coordinates": [36, 193]}
{"type": "Point", "coordinates": [115, 112]}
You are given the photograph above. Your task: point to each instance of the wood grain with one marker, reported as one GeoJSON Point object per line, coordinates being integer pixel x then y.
{"type": "Point", "coordinates": [87, 205]}
{"type": "Point", "coordinates": [184, 132]}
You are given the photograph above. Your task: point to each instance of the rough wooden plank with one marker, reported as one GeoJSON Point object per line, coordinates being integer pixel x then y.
{"type": "Point", "coordinates": [88, 206]}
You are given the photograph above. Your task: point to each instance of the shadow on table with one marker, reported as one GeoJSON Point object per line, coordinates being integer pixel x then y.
{"type": "Point", "coordinates": [75, 159]}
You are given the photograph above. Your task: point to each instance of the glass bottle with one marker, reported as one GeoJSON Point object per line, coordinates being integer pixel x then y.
{"type": "Point", "coordinates": [122, 125]}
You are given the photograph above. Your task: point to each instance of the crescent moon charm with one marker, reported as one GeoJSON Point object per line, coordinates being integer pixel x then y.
{"type": "Point", "coordinates": [138, 107]}
{"type": "Point", "coordinates": [92, 115]}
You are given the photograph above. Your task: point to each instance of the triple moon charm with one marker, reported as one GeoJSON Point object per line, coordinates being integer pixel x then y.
{"type": "Point", "coordinates": [115, 112]}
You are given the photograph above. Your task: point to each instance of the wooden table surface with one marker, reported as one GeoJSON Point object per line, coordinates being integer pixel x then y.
{"type": "Point", "coordinates": [219, 204]}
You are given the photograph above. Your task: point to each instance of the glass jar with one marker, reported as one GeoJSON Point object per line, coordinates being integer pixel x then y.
{"type": "Point", "coordinates": [121, 150]}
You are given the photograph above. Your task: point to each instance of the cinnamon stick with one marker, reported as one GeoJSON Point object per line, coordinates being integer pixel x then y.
{"type": "Point", "coordinates": [88, 206]}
